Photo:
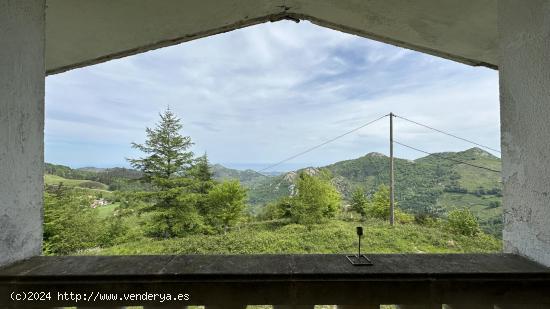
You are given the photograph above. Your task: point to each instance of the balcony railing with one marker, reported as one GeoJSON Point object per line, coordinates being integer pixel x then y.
{"type": "Point", "coordinates": [286, 281]}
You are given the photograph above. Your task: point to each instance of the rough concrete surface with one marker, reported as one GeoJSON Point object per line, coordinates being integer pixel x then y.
{"type": "Point", "coordinates": [21, 128]}
{"type": "Point", "coordinates": [231, 281]}
{"type": "Point", "coordinates": [524, 30]}
{"type": "Point", "coordinates": [83, 32]}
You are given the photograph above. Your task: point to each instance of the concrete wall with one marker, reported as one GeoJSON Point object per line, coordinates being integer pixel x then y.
{"type": "Point", "coordinates": [524, 64]}
{"type": "Point", "coordinates": [21, 128]}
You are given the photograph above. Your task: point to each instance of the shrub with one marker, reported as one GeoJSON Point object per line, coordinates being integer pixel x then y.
{"type": "Point", "coordinates": [426, 220]}
{"type": "Point", "coordinates": [70, 224]}
{"type": "Point", "coordinates": [403, 217]}
{"type": "Point", "coordinates": [92, 185]}
{"type": "Point", "coordinates": [225, 204]}
{"type": "Point", "coordinates": [359, 201]}
{"type": "Point", "coordinates": [317, 199]}
{"type": "Point", "coordinates": [379, 207]}
{"type": "Point", "coordinates": [462, 221]}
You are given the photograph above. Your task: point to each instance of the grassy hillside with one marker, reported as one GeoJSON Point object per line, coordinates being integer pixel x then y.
{"type": "Point", "coordinates": [54, 180]}
{"type": "Point", "coordinates": [245, 177]}
{"type": "Point", "coordinates": [332, 237]}
{"type": "Point", "coordinates": [432, 184]}
{"type": "Point", "coordinates": [121, 227]}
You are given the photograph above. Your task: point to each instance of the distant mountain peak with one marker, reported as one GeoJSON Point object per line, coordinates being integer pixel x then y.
{"type": "Point", "coordinates": [291, 176]}
{"type": "Point", "coordinates": [375, 154]}
{"type": "Point", "coordinates": [479, 152]}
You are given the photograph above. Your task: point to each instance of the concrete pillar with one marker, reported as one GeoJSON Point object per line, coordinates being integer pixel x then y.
{"type": "Point", "coordinates": [21, 128]}
{"type": "Point", "coordinates": [524, 68]}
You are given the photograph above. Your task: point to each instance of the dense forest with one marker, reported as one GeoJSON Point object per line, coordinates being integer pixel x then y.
{"type": "Point", "coordinates": [172, 201]}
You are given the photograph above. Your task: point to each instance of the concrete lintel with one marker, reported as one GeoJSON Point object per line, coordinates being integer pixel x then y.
{"type": "Point", "coordinates": [81, 33]}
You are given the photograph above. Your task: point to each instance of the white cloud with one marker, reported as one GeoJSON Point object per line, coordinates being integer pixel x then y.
{"type": "Point", "coordinates": [260, 94]}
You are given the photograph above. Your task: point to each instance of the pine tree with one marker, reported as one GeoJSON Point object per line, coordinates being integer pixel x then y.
{"type": "Point", "coordinates": [202, 173]}
{"type": "Point", "coordinates": [168, 160]}
{"type": "Point", "coordinates": [167, 151]}
{"type": "Point", "coordinates": [203, 182]}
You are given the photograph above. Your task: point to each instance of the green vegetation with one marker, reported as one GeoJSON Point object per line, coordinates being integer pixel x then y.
{"type": "Point", "coordinates": [427, 187]}
{"type": "Point", "coordinates": [316, 199]}
{"type": "Point", "coordinates": [333, 236]}
{"type": "Point", "coordinates": [174, 202]}
{"type": "Point", "coordinates": [462, 221]}
{"type": "Point", "coordinates": [70, 224]}
{"type": "Point", "coordinates": [55, 180]}
{"type": "Point", "coordinates": [225, 204]}
{"type": "Point", "coordinates": [378, 207]}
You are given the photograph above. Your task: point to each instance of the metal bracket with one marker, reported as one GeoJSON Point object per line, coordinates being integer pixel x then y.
{"type": "Point", "coordinates": [359, 260]}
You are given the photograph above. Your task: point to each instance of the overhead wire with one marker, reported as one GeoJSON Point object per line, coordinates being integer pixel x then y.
{"type": "Point", "coordinates": [397, 142]}
{"type": "Point", "coordinates": [447, 133]}
{"type": "Point", "coordinates": [446, 158]}
{"type": "Point", "coordinates": [321, 144]}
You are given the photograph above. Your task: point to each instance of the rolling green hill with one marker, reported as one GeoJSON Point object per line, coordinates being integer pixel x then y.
{"type": "Point", "coordinates": [246, 177]}
{"type": "Point", "coordinates": [54, 180]}
{"type": "Point", "coordinates": [429, 185]}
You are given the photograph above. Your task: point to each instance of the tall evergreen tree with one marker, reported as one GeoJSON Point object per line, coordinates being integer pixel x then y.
{"type": "Point", "coordinates": [166, 165]}
{"type": "Point", "coordinates": [167, 151]}
{"type": "Point", "coordinates": [202, 173]}
{"type": "Point", "coordinates": [203, 181]}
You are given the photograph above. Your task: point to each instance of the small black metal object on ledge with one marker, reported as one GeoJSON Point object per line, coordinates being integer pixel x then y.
{"type": "Point", "coordinates": [359, 259]}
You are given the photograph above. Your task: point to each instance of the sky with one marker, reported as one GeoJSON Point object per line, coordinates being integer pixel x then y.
{"type": "Point", "coordinates": [255, 96]}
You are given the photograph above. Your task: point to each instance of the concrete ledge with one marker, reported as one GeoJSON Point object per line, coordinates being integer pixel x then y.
{"type": "Point", "coordinates": [291, 279]}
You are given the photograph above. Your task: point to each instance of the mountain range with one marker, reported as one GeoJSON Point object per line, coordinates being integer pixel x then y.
{"type": "Point", "coordinates": [433, 184]}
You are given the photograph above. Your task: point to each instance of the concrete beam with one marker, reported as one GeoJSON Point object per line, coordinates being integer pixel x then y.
{"type": "Point", "coordinates": [524, 31]}
{"type": "Point", "coordinates": [21, 128]}
{"type": "Point", "coordinates": [463, 31]}
{"type": "Point", "coordinates": [82, 32]}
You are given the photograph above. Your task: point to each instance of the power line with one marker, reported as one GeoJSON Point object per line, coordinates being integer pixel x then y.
{"type": "Point", "coordinates": [322, 144]}
{"type": "Point", "coordinates": [450, 159]}
{"type": "Point", "coordinates": [446, 133]}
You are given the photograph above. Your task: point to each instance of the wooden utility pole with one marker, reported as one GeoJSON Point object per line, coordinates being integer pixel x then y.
{"type": "Point", "coordinates": [392, 206]}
